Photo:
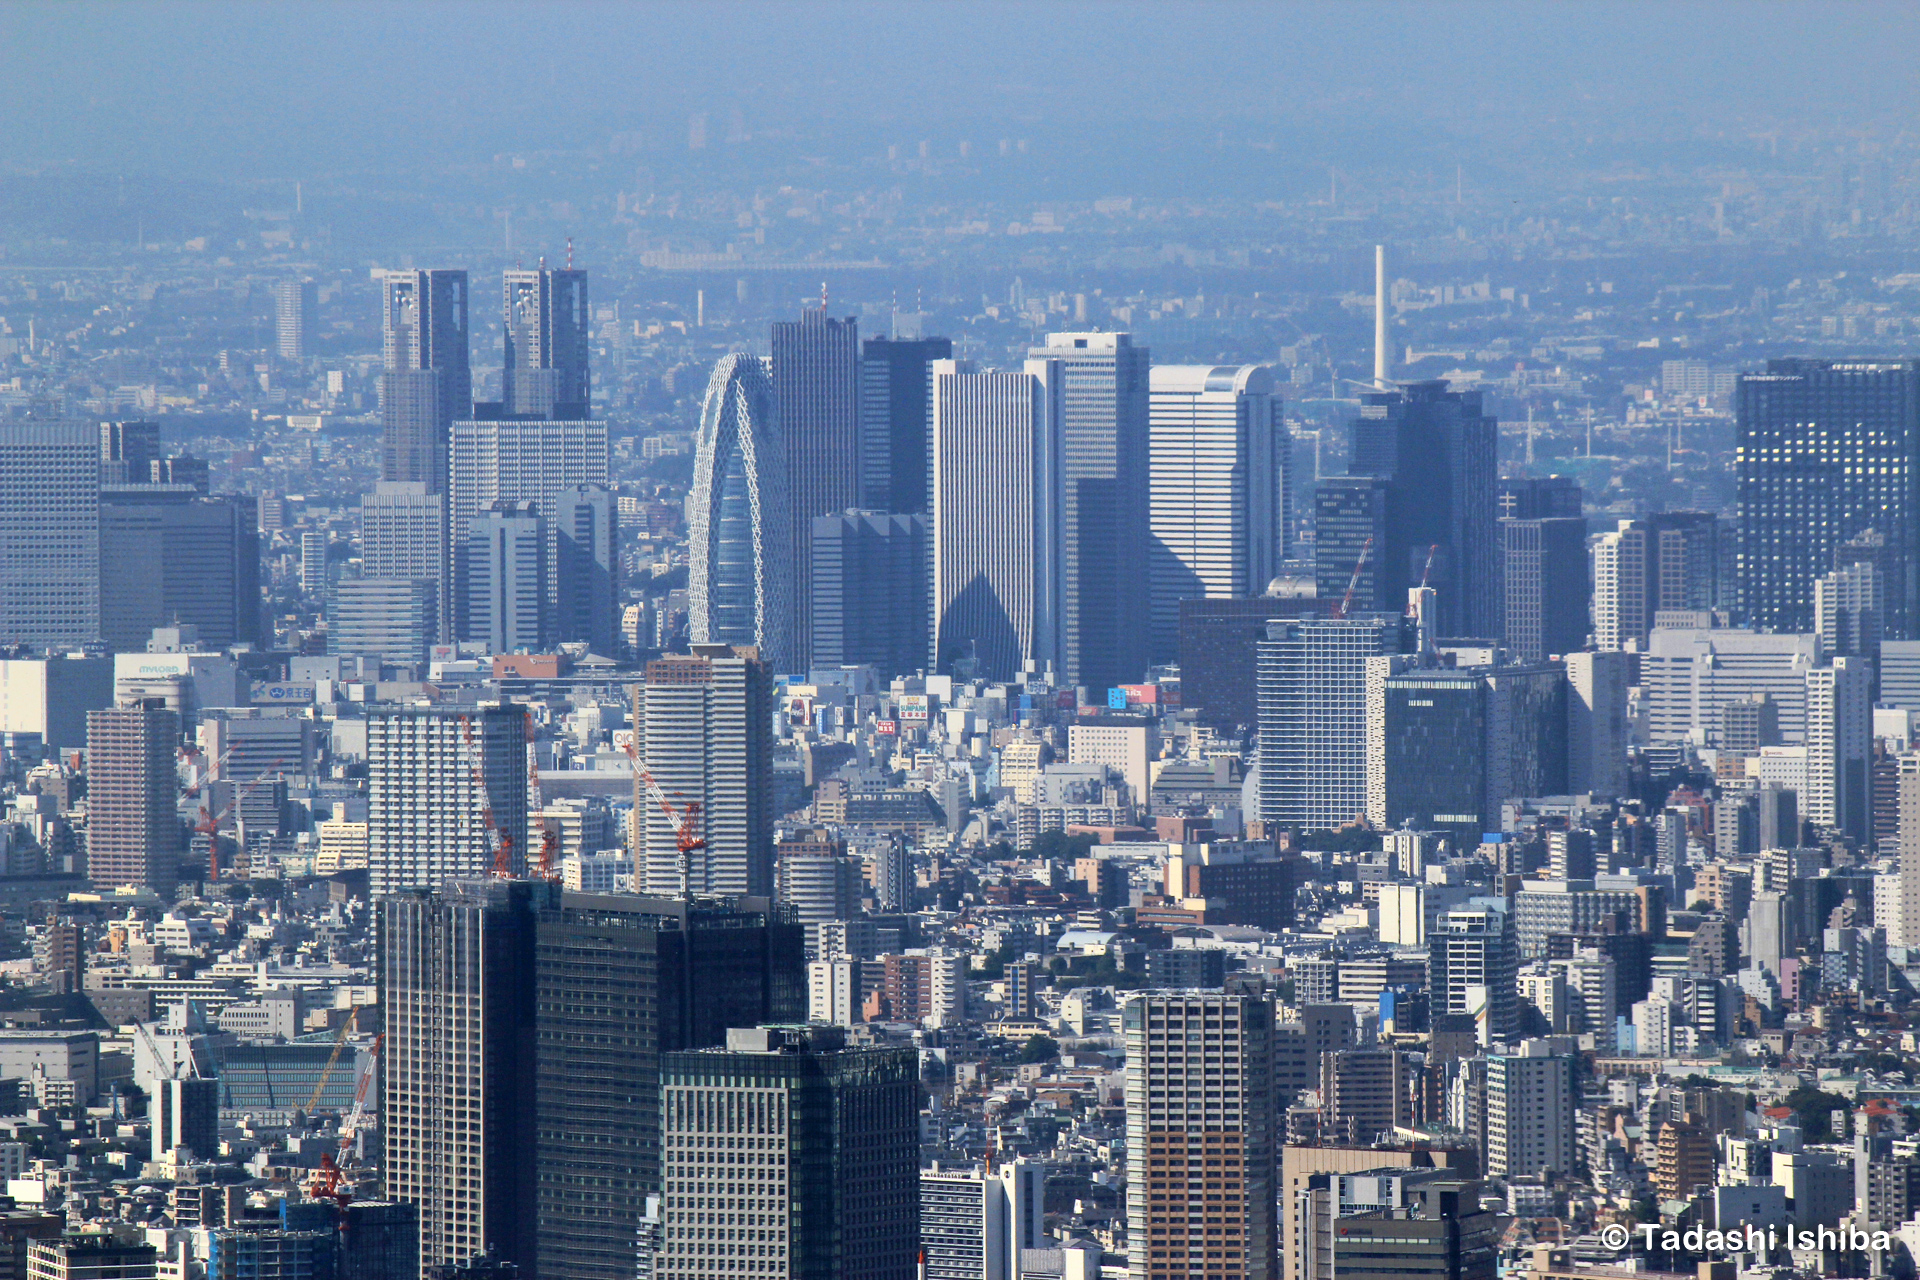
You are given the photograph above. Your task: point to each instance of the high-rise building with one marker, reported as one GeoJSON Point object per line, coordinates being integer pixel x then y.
{"type": "Point", "coordinates": [996, 521]}
{"type": "Point", "coordinates": [403, 536]}
{"type": "Point", "coordinates": [1313, 717]}
{"type": "Point", "coordinates": [295, 319]}
{"type": "Point", "coordinates": [1622, 610]}
{"type": "Point", "coordinates": [1847, 612]}
{"type": "Point", "coordinates": [816, 384]}
{"type": "Point", "coordinates": [586, 588]}
{"type": "Point", "coordinates": [1439, 451]}
{"type": "Point", "coordinates": [1352, 520]}
{"type": "Point", "coordinates": [896, 423]}
{"type": "Point", "coordinates": [186, 1114]}
{"type": "Point", "coordinates": [1596, 723]}
{"type": "Point", "coordinates": [385, 619]}
{"type": "Point", "coordinates": [133, 828]}
{"type": "Point", "coordinates": [128, 451]}
{"type": "Point", "coordinates": [1200, 1122]}
{"type": "Point", "coordinates": [1530, 1108]}
{"type": "Point", "coordinates": [1218, 488]}
{"type": "Point", "coordinates": [1363, 1094]}
{"type": "Point", "coordinates": [446, 785]}
{"type": "Point", "coordinates": [170, 555]}
{"type": "Point", "coordinates": [740, 549]}
{"type": "Point", "coordinates": [1543, 564]}
{"type": "Point", "coordinates": [1473, 963]}
{"type": "Point", "coordinates": [457, 1072]}
{"type": "Point", "coordinates": [89, 1256]}
{"type": "Point", "coordinates": [506, 578]}
{"type": "Point", "coordinates": [427, 384]}
{"type": "Point", "coordinates": [622, 980]}
{"type": "Point", "coordinates": [1414, 1224]}
{"type": "Point", "coordinates": [974, 1223]}
{"type": "Point", "coordinates": [1826, 450]}
{"type": "Point", "coordinates": [49, 533]}
{"type": "Point", "coordinates": [537, 460]}
{"type": "Point", "coordinates": [1219, 644]}
{"type": "Point", "coordinates": [815, 879]}
{"type": "Point", "coordinates": [789, 1149]}
{"type": "Point", "coordinates": [871, 584]}
{"type": "Point", "coordinates": [1446, 747]}
{"type": "Point", "coordinates": [547, 327]}
{"type": "Point", "coordinates": [703, 726]}
{"type": "Point", "coordinates": [1839, 745]}
{"type": "Point", "coordinates": [1096, 385]}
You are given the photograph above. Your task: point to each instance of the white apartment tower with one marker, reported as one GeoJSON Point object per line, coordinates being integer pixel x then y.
{"type": "Point", "coordinates": [1218, 488]}
{"type": "Point", "coordinates": [703, 726]}
{"type": "Point", "coordinates": [974, 1223]}
{"type": "Point", "coordinates": [1530, 1106]}
{"type": "Point", "coordinates": [1840, 746]}
{"type": "Point", "coordinates": [1620, 605]}
{"type": "Point", "coordinates": [442, 784]}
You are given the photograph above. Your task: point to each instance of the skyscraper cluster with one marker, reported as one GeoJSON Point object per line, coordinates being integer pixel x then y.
{"type": "Point", "coordinates": [947, 518]}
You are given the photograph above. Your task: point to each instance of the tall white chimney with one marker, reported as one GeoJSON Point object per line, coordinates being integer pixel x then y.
{"type": "Point", "coordinates": [1380, 316]}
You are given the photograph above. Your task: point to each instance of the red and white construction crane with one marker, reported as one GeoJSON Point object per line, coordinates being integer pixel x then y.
{"type": "Point", "coordinates": [209, 824]}
{"type": "Point", "coordinates": [329, 1177]}
{"type": "Point", "coordinates": [684, 820]}
{"type": "Point", "coordinates": [536, 807]}
{"type": "Point", "coordinates": [1346, 602]}
{"type": "Point", "coordinates": [499, 841]}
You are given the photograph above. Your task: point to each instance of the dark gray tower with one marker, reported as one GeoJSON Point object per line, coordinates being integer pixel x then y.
{"type": "Point", "coordinates": [547, 326]}
{"type": "Point", "coordinates": [1543, 562]}
{"type": "Point", "coordinates": [816, 384]}
{"type": "Point", "coordinates": [1441, 454]}
{"type": "Point", "coordinates": [1826, 452]}
{"type": "Point", "coordinates": [428, 382]}
{"type": "Point", "coordinates": [896, 421]}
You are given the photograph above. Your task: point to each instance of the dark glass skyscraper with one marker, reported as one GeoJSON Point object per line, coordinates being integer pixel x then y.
{"type": "Point", "coordinates": [427, 382]}
{"type": "Point", "coordinates": [871, 588]}
{"type": "Point", "coordinates": [1441, 454]}
{"type": "Point", "coordinates": [816, 384]}
{"type": "Point", "coordinates": [1827, 450]}
{"type": "Point", "coordinates": [1543, 563]}
{"type": "Point", "coordinates": [896, 421]}
{"type": "Point", "coordinates": [623, 980]}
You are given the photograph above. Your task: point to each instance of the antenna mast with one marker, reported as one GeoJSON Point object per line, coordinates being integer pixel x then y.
{"type": "Point", "coordinates": [1380, 316]}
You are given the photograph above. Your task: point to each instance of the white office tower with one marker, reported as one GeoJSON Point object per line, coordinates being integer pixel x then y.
{"type": "Point", "coordinates": [1909, 847]}
{"type": "Point", "coordinates": [506, 594]}
{"type": "Point", "coordinates": [1218, 488]}
{"type": "Point", "coordinates": [703, 726]}
{"type": "Point", "coordinates": [996, 521]}
{"type": "Point", "coordinates": [1200, 1123]}
{"type": "Point", "coordinates": [518, 460]}
{"type": "Point", "coordinates": [403, 536]}
{"type": "Point", "coordinates": [1530, 1105]}
{"type": "Point", "coordinates": [740, 580]}
{"type": "Point", "coordinates": [1597, 723]}
{"type": "Point", "coordinates": [1620, 613]}
{"type": "Point", "coordinates": [446, 788]}
{"type": "Point", "coordinates": [1900, 674]}
{"type": "Point", "coordinates": [1688, 675]}
{"type": "Point", "coordinates": [974, 1223]}
{"type": "Point", "coordinates": [1849, 610]}
{"type": "Point", "coordinates": [1098, 386]}
{"type": "Point", "coordinates": [1592, 995]}
{"type": "Point", "coordinates": [1839, 747]}
{"type": "Point", "coordinates": [833, 992]}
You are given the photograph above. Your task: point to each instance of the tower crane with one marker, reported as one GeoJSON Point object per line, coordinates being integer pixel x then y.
{"type": "Point", "coordinates": [499, 841]}
{"type": "Point", "coordinates": [328, 1177]}
{"type": "Point", "coordinates": [685, 820]}
{"type": "Point", "coordinates": [333, 1059]}
{"type": "Point", "coordinates": [1353, 583]}
{"type": "Point", "coordinates": [209, 825]}
{"type": "Point", "coordinates": [536, 807]}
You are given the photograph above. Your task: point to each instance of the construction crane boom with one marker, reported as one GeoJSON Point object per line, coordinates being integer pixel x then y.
{"type": "Point", "coordinates": [1353, 583]}
{"type": "Point", "coordinates": [685, 821]}
{"type": "Point", "coordinates": [536, 806]}
{"type": "Point", "coordinates": [331, 1173]}
{"type": "Point", "coordinates": [209, 826]}
{"type": "Point", "coordinates": [499, 841]}
{"type": "Point", "coordinates": [333, 1059]}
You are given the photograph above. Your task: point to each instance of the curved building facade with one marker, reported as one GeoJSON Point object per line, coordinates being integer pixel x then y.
{"type": "Point", "coordinates": [740, 581]}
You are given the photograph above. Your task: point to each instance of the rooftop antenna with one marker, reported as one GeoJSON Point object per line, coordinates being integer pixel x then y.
{"type": "Point", "coordinates": [569, 253]}
{"type": "Point", "coordinates": [1380, 316]}
{"type": "Point", "coordinates": [823, 295]}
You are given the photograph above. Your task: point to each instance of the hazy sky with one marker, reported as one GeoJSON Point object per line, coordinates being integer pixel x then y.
{"type": "Point", "coordinates": [267, 89]}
